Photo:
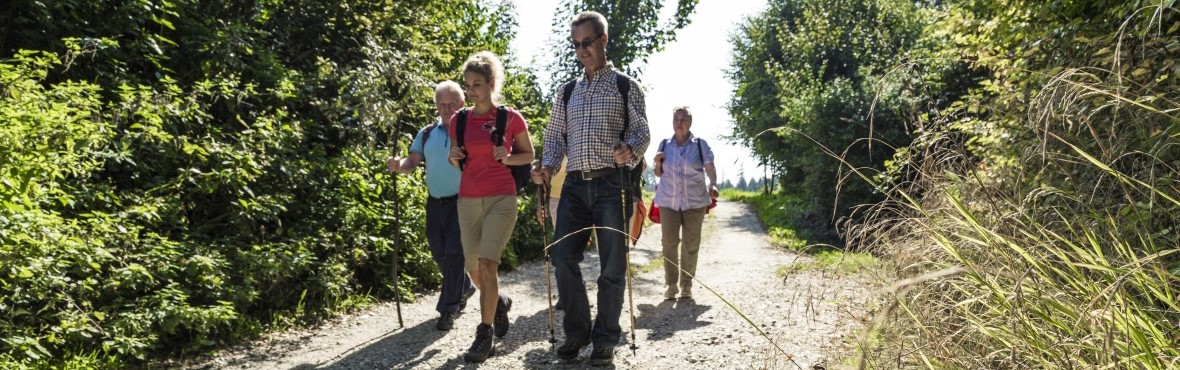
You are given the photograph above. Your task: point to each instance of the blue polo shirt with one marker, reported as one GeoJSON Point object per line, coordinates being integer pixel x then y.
{"type": "Point", "coordinates": [442, 179]}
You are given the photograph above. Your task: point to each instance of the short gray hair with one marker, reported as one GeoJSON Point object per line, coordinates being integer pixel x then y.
{"type": "Point", "coordinates": [595, 18]}
{"type": "Point", "coordinates": [683, 108]}
{"type": "Point", "coordinates": [448, 86]}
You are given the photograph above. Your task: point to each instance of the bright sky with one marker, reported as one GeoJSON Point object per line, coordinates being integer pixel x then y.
{"type": "Point", "coordinates": [689, 71]}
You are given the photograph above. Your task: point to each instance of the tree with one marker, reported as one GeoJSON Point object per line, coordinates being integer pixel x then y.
{"type": "Point", "coordinates": [812, 87]}
{"type": "Point", "coordinates": [635, 33]}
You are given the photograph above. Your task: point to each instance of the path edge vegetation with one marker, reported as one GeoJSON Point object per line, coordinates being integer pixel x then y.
{"type": "Point", "coordinates": [1029, 211]}
{"type": "Point", "coordinates": [182, 175]}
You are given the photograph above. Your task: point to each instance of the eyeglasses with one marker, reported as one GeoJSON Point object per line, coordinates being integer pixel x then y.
{"type": "Point", "coordinates": [585, 44]}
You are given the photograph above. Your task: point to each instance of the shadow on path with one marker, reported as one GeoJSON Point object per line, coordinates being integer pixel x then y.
{"type": "Point", "coordinates": [416, 338]}
{"type": "Point", "coordinates": [668, 317]}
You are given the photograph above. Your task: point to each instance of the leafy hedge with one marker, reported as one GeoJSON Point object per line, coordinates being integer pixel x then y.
{"type": "Point", "coordinates": [179, 174]}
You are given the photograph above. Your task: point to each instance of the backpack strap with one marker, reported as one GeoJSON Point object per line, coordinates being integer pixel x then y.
{"type": "Point", "coordinates": [566, 91]}
{"type": "Point", "coordinates": [624, 85]}
{"type": "Point", "coordinates": [700, 153]}
{"type": "Point", "coordinates": [426, 139]}
{"type": "Point", "coordinates": [426, 134]}
{"type": "Point", "coordinates": [461, 133]}
{"type": "Point", "coordinates": [501, 126]}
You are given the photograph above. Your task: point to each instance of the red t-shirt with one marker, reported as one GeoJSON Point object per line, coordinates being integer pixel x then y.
{"type": "Point", "coordinates": [483, 176]}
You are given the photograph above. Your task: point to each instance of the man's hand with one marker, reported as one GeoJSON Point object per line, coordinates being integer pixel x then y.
{"type": "Point", "coordinates": [393, 163]}
{"type": "Point", "coordinates": [622, 153]}
{"type": "Point", "coordinates": [541, 175]}
{"type": "Point", "coordinates": [713, 193]}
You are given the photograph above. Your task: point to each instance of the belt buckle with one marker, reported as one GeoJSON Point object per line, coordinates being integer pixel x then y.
{"type": "Point", "coordinates": [585, 175]}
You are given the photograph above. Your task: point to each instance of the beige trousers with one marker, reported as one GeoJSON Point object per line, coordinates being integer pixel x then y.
{"type": "Point", "coordinates": [680, 250]}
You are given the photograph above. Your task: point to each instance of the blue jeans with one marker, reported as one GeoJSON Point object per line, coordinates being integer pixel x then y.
{"type": "Point", "coordinates": [442, 233]}
{"type": "Point", "coordinates": [585, 203]}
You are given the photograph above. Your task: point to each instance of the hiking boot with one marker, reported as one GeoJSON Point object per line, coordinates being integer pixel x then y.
{"type": "Point", "coordinates": [501, 319]}
{"type": "Point", "coordinates": [569, 349]}
{"type": "Point", "coordinates": [602, 355]}
{"type": "Point", "coordinates": [466, 295]}
{"type": "Point", "coordinates": [446, 321]}
{"type": "Point", "coordinates": [483, 346]}
{"type": "Point", "coordinates": [670, 293]}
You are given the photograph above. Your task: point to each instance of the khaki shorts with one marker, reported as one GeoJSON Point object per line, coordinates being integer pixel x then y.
{"type": "Point", "coordinates": [484, 226]}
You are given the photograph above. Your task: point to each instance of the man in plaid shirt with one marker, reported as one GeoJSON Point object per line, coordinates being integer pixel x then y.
{"type": "Point", "coordinates": [587, 130]}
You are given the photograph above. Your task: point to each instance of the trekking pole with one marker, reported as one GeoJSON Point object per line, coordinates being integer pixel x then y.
{"type": "Point", "coordinates": [397, 210]}
{"type": "Point", "coordinates": [542, 205]}
{"type": "Point", "coordinates": [627, 234]}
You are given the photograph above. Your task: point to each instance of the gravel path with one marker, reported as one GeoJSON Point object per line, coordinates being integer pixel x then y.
{"type": "Point", "coordinates": [809, 315]}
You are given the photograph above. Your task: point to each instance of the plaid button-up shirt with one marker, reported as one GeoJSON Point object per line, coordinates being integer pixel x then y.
{"type": "Point", "coordinates": [587, 129]}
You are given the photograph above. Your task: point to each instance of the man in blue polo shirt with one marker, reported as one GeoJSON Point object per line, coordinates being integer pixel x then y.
{"type": "Point", "coordinates": [433, 145]}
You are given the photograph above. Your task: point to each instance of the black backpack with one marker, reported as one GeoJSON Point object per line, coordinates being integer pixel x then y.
{"type": "Point", "coordinates": [520, 173]}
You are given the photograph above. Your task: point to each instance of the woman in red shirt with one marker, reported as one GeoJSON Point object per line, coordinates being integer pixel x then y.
{"type": "Point", "coordinates": [487, 192]}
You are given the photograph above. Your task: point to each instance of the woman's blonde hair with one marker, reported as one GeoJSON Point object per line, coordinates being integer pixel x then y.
{"type": "Point", "coordinates": [488, 65]}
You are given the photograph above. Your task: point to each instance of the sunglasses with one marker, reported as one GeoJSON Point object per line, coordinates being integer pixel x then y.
{"type": "Point", "coordinates": [585, 44]}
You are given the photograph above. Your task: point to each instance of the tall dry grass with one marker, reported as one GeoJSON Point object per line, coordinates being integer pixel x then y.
{"type": "Point", "coordinates": [1068, 258]}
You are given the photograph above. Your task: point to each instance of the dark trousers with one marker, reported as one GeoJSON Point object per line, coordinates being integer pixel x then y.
{"type": "Point", "coordinates": [442, 233]}
{"type": "Point", "coordinates": [585, 203]}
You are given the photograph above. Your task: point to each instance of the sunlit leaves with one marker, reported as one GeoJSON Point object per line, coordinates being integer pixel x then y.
{"type": "Point", "coordinates": [207, 165]}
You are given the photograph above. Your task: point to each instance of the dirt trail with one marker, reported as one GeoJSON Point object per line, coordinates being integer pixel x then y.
{"type": "Point", "coordinates": [809, 315]}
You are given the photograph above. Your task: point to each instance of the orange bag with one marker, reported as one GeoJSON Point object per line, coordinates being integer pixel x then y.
{"type": "Point", "coordinates": [637, 222]}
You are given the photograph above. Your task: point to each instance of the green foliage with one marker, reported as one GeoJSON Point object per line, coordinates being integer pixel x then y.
{"type": "Point", "coordinates": [777, 211]}
{"type": "Point", "coordinates": [816, 95]}
{"type": "Point", "coordinates": [835, 261]}
{"type": "Point", "coordinates": [635, 33]}
{"type": "Point", "coordinates": [181, 174]}
{"type": "Point", "coordinates": [1035, 214]}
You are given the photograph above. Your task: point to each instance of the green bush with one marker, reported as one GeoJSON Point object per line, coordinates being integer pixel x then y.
{"type": "Point", "coordinates": [781, 214]}
{"type": "Point", "coordinates": [185, 174]}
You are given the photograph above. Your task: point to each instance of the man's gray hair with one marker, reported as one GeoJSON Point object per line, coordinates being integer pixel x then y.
{"type": "Point", "coordinates": [595, 18]}
{"type": "Point", "coordinates": [451, 87]}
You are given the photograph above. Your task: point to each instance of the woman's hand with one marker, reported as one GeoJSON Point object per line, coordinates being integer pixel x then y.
{"type": "Point", "coordinates": [658, 169]}
{"type": "Point", "coordinates": [456, 155]}
{"type": "Point", "coordinates": [500, 154]}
